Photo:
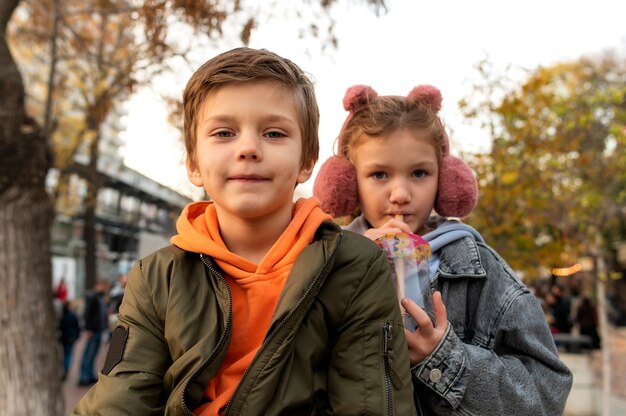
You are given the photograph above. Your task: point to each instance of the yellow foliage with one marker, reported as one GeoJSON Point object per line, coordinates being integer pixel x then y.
{"type": "Point", "coordinates": [508, 177]}
{"type": "Point", "coordinates": [549, 178]}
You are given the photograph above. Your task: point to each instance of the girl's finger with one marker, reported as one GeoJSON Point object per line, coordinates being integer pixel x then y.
{"type": "Point", "coordinates": [403, 226]}
{"type": "Point", "coordinates": [424, 324]}
{"type": "Point", "coordinates": [441, 316]}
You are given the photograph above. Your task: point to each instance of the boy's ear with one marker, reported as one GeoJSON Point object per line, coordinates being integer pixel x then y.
{"type": "Point", "coordinates": [305, 173]}
{"type": "Point", "coordinates": [193, 173]}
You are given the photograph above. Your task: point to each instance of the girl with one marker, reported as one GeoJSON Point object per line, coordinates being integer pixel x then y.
{"type": "Point", "coordinates": [489, 350]}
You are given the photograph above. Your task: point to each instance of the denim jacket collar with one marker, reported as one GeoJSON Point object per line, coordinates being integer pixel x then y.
{"type": "Point", "coordinates": [461, 259]}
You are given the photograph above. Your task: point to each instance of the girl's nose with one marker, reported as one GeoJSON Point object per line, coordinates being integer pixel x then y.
{"type": "Point", "coordinates": [399, 193]}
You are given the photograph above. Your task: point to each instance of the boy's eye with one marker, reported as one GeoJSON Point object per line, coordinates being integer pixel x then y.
{"type": "Point", "coordinates": [419, 173]}
{"type": "Point", "coordinates": [379, 175]}
{"type": "Point", "coordinates": [223, 133]}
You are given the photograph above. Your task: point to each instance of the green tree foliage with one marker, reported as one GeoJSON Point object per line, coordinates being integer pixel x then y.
{"type": "Point", "coordinates": [554, 184]}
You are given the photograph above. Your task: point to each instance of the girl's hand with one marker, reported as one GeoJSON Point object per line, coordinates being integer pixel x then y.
{"type": "Point", "coordinates": [390, 227]}
{"type": "Point", "coordinates": [426, 337]}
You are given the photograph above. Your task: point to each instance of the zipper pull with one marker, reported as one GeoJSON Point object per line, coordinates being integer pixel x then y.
{"type": "Point", "coordinates": [389, 356]}
{"type": "Point", "coordinates": [388, 338]}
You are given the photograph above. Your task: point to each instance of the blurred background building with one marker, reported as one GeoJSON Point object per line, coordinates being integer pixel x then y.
{"type": "Point", "coordinates": [135, 215]}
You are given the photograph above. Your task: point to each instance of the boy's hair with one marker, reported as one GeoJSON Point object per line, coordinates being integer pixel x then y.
{"type": "Point", "coordinates": [244, 65]}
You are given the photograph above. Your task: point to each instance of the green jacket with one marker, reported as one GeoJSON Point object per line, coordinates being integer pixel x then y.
{"type": "Point", "coordinates": [335, 345]}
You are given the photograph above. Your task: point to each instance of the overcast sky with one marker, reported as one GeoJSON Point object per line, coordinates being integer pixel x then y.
{"type": "Point", "coordinates": [415, 42]}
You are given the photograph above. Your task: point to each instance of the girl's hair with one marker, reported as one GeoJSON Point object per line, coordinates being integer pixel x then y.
{"type": "Point", "coordinates": [242, 65]}
{"type": "Point", "coordinates": [385, 115]}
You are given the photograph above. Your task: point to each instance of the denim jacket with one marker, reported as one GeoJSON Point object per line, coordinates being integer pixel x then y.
{"type": "Point", "coordinates": [498, 356]}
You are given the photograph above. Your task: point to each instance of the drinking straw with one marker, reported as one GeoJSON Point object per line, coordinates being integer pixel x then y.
{"type": "Point", "coordinates": [400, 275]}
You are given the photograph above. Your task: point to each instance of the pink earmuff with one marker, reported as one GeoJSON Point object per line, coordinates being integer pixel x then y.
{"type": "Point", "coordinates": [335, 184]}
{"type": "Point", "coordinates": [336, 188]}
{"type": "Point", "coordinates": [457, 192]}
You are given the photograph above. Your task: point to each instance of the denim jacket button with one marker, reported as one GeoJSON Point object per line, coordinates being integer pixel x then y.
{"type": "Point", "coordinates": [435, 375]}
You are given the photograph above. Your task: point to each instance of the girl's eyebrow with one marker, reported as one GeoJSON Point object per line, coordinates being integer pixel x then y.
{"type": "Point", "coordinates": [375, 165]}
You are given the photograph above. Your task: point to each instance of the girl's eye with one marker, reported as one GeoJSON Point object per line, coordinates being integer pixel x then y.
{"type": "Point", "coordinates": [419, 174]}
{"type": "Point", "coordinates": [275, 134]}
{"type": "Point", "coordinates": [379, 175]}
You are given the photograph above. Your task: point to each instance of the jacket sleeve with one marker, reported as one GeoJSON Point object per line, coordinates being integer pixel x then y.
{"type": "Point", "coordinates": [369, 367]}
{"type": "Point", "coordinates": [519, 374]}
{"type": "Point", "coordinates": [134, 386]}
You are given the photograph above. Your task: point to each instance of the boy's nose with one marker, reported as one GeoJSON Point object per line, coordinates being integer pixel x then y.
{"type": "Point", "coordinates": [248, 147]}
{"type": "Point", "coordinates": [248, 155]}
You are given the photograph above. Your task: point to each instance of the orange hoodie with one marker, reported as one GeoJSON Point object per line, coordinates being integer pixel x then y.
{"type": "Point", "coordinates": [255, 288]}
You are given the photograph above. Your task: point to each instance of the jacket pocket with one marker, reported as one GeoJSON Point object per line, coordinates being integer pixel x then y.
{"type": "Point", "coordinates": [385, 379]}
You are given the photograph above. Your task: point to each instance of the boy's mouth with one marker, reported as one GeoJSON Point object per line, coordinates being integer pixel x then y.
{"type": "Point", "coordinates": [251, 178]}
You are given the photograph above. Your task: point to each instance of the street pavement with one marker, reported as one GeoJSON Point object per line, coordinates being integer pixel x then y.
{"type": "Point", "coordinates": [586, 396]}
{"type": "Point", "coordinates": [618, 363]}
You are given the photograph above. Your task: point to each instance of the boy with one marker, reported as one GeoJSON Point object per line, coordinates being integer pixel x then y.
{"type": "Point", "coordinates": [261, 306]}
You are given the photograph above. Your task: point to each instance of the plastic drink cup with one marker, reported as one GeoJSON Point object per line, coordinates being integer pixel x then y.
{"type": "Point", "coordinates": [408, 255]}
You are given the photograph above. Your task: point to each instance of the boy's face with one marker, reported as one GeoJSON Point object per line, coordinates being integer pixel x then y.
{"type": "Point", "coordinates": [397, 174]}
{"type": "Point", "coordinates": [248, 150]}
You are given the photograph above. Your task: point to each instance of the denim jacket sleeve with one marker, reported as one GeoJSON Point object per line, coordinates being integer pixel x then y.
{"type": "Point", "coordinates": [497, 356]}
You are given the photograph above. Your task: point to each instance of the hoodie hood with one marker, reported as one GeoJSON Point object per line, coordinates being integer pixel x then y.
{"type": "Point", "coordinates": [198, 232]}
{"type": "Point", "coordinates": [447, 231]}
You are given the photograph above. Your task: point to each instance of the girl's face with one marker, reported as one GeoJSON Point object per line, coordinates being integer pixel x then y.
{"type": "Point", "coordinates": [397, 174]}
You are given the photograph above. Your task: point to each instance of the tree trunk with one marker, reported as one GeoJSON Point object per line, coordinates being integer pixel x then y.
{"type": "Point", "coordinates": [29, 354]}
{"type": "Point", "coordinates": [89, 229]}
{"type": "Point", "coordinates": [89, 235]}
{"type": "Point", "coordinates": [29, 350]}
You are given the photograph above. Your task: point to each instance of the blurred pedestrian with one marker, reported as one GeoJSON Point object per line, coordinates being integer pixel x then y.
{"type": "Point", "coordinates": [69, 332]}
{"type": "Point", "coordinates": [117, 293]}
{"type": "Point", "coordinates": [587, 321]}
{"type": "Point", "coordinates": [61, 291]}
{"type": "Point", "coordinates": [548, 311]}
{"type": "Point", "coordinates": [95, 324]}
{"type": "Point", "coordinates": [561, 311]}
{"type": "Point", "coordinates": [115, 300]}
{"type": "Point", "coordinates": [616, 308]}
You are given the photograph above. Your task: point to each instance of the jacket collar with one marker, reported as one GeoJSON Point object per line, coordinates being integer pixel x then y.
{"type": "Point", "coordinates": [461, 259]}
{"type": "Point", "coordinates": [310, 270]}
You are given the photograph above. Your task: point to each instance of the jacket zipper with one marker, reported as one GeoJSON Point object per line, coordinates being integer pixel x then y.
{"type": "Point", "coordinates": [221, 340]}
{"type": "Point", "coordinates": [387, 347]}
{"type": "Point", "coordinates": [282, 322]}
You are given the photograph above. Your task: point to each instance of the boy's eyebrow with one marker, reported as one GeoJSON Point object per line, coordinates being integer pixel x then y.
{"type": "Point", "coordinates": [269, 118]}
{"type": "Point", "coordinates": [278, 118]}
